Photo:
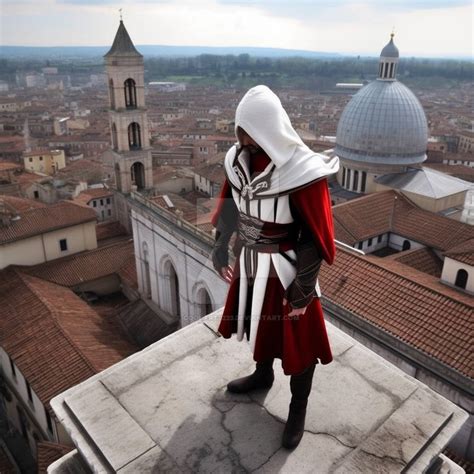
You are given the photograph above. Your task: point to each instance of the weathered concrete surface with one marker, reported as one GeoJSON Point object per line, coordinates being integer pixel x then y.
{"type": "Point", "coordinates": [166, 409]}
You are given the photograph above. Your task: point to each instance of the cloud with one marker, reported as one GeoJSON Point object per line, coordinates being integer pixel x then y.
{"type": "Point", "coordinates": [335, 26]}
{"type": "Point", "coordinates": [390, 4]}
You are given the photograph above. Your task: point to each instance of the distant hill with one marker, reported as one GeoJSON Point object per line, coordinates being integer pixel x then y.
{"type": "Point", "coordinates": [155, 50]}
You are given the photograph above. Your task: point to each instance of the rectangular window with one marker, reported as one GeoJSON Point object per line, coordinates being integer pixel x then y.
{"type": "Point", "coordinates": [359, 246]}
{"type": "Point", "coordinates": [101, 202]}
{"type": "Point", "coordinates": [108, 201]}
{"type": "Point", "coordinates": [379, 239]}
{"type": "Point", "coordinates": [28, 390]}
{"type": "Point", "coordinates": [370, 242]}
{"type": "Point", "coordinates": [12, 366]}
{"type": "Point", "coordinates": [48, 420]}
{"type": "Point", "coordinates": [41, 158]}
{"type": "Point", "coordinates": [109, 212]}
{"type": "Point", "coordinates": [63, 245]}
{"type": "Point", "coordinates": [36, 194]}
{"type": "Point", "coordinates": [31, 160]}
{"type": "Point", "coordinates": [94, 203]}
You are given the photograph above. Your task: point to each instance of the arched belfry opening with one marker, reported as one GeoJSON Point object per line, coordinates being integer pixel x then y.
{"type": "Point", "coordinates": [461, 279]}
{"type": "Point", "coordinates": [114, 137]}
{"type": "Point", "coordinates": [137, 174]}
{"type": "Point", "coordinates": [111, 94]}
{"type": "Point", "coordinates": [130, 91]}
{"type": "Point", "coordinates": [134, 136]}
{"type": "Point", "coordinates": [204, 302]}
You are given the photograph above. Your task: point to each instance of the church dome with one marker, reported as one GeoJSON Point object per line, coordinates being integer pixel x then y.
{"type": "Point", "coordinates": [384, 123]}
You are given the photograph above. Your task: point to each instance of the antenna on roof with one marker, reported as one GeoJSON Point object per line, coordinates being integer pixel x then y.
{"type": "Point", "coordinates": [120, 11]}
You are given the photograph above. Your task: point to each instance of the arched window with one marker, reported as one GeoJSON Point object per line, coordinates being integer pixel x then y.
{"type": "Point", "coordinates": [343, 175]}
{"type": "Point", "coordinates": [204, 302]}
{"type": "Point", "coordinates": [146, 271]}
{"type": "Point", "coordinates": [118, 177]}
{"type": "Point", "coordinates": [391, 70]}
{"type": "Point", "coordinates": [385, 71]}
{"type": "Point", "coordinates": [134, 136]}
{"type": "Point", "coordinates": [111, 94]}
{"type": "Point", "coordinates": [130, 91]}
{"type": "Point", "coordinates": [114, 137]}
{"type": "Point", "coordinates": [461, 279]}
{"type": "Point", "coordinates": [348, 179]}
{"type": "Point", "coordinates": [173, 299]}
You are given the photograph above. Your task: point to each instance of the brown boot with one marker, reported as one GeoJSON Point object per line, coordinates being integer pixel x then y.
{"type": "Point", "coordinates": [262, 378]}
{"type": "Point", "coordinates": [300, 389]}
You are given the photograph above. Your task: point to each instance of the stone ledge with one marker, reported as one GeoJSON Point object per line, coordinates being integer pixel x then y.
{"type": "Point", "coordinates": [364, 414]}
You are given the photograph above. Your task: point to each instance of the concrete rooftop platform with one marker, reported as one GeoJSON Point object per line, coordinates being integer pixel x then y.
{"type": "Point", "coordinates": [165, 409]}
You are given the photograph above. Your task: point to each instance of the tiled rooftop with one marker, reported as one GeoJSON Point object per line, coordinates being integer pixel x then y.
{"type": "Point", "coordinates": [390, 211]}
{"type": "Point", "coordinates": [45, 219]}
{"type": "Point", "coordinates": [94, 193]}
{"type": "Point", "coordinates": [47, 453]}
{"type": "Point", "coordinates": [463, 252]}
{"type": "Point", "coordinates": [20, 204]}
{"type": "Point", "coordinates": [410, 305]}
{"type": "Point", "coordinates": [86, 266]}
{"type": "Point", "coordinates": [423, 259]}
{"type": "Point", "coordinates": [53, 336]}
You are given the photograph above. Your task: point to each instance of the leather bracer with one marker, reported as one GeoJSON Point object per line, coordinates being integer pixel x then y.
{"type": "Point", "coordinates": [226, 225]}
{"type": "Point", "coordinates": [302, 290]}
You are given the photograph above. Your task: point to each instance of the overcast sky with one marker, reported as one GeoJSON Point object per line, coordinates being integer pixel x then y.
{"type": "Point", "coordinates": [422, 27]}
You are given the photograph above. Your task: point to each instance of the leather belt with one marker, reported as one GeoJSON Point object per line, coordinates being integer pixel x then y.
{"type": "Point", "coordinates": [258, 234]}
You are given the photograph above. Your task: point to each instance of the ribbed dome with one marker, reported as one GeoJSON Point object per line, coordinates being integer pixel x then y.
{"type": "Point", "coordinates": [384, 123]}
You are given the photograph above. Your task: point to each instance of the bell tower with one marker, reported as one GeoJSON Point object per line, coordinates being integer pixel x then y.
{"type": "Point", "coordinates": [127, 115]}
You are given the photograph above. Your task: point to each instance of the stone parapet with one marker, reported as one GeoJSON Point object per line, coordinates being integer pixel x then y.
{"type": "Point", "coordinates": [165, 409]}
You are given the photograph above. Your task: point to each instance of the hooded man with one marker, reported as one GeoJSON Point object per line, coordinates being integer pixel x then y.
{"type": "Point", "coordinates": [276, 198]}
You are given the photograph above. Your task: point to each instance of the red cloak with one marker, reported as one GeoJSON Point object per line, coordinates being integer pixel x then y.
{"type": "Point", "coordinates": [301, 341]}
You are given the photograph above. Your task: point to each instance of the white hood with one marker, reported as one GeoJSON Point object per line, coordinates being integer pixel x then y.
{"type": "Point", "coordinates": [262, 116]}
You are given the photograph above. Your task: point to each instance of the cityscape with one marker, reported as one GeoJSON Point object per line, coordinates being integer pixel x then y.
{"type": "Point", "coordinates": [112, 170]}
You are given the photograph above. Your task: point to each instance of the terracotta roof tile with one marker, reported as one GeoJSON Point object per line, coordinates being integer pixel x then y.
{"type": "Point", "coordinates": [6, 464]}
{"type": "Point", "coordinates": [9, 166]}
{"type": "Point", "coordinates": [364, 217]}
{"type": "Point", "coordinates": [94, 193]}
{"type": "Point", "coordinates": [412, 306]}
{"type": "Point", "coordinates": [86, 266]}
{"type": "Point", "coordinates": [47, 219]}
{"type": "Point", "coordinates": [463, 252]}
{"type": "Point", "coordinates": [20, 204]}
{"type": "Point", "coordinates": [47, 453]}
{"type": "Point", "coordinates": [390, 211]}
{"type": "Point", "coordinates": [108, 230]}
{"type": "Point", "coordinates": [128, 273]}
{"type": "Point", "coordinates": [54, 337]}
{"type": "Point", "coordinates": [423, 259]}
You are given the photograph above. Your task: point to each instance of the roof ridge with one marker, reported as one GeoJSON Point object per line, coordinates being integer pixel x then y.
{"type": "Point", "coordinates": [24, 278]}
{"type": "Point", "coordinates": [366, 197]}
